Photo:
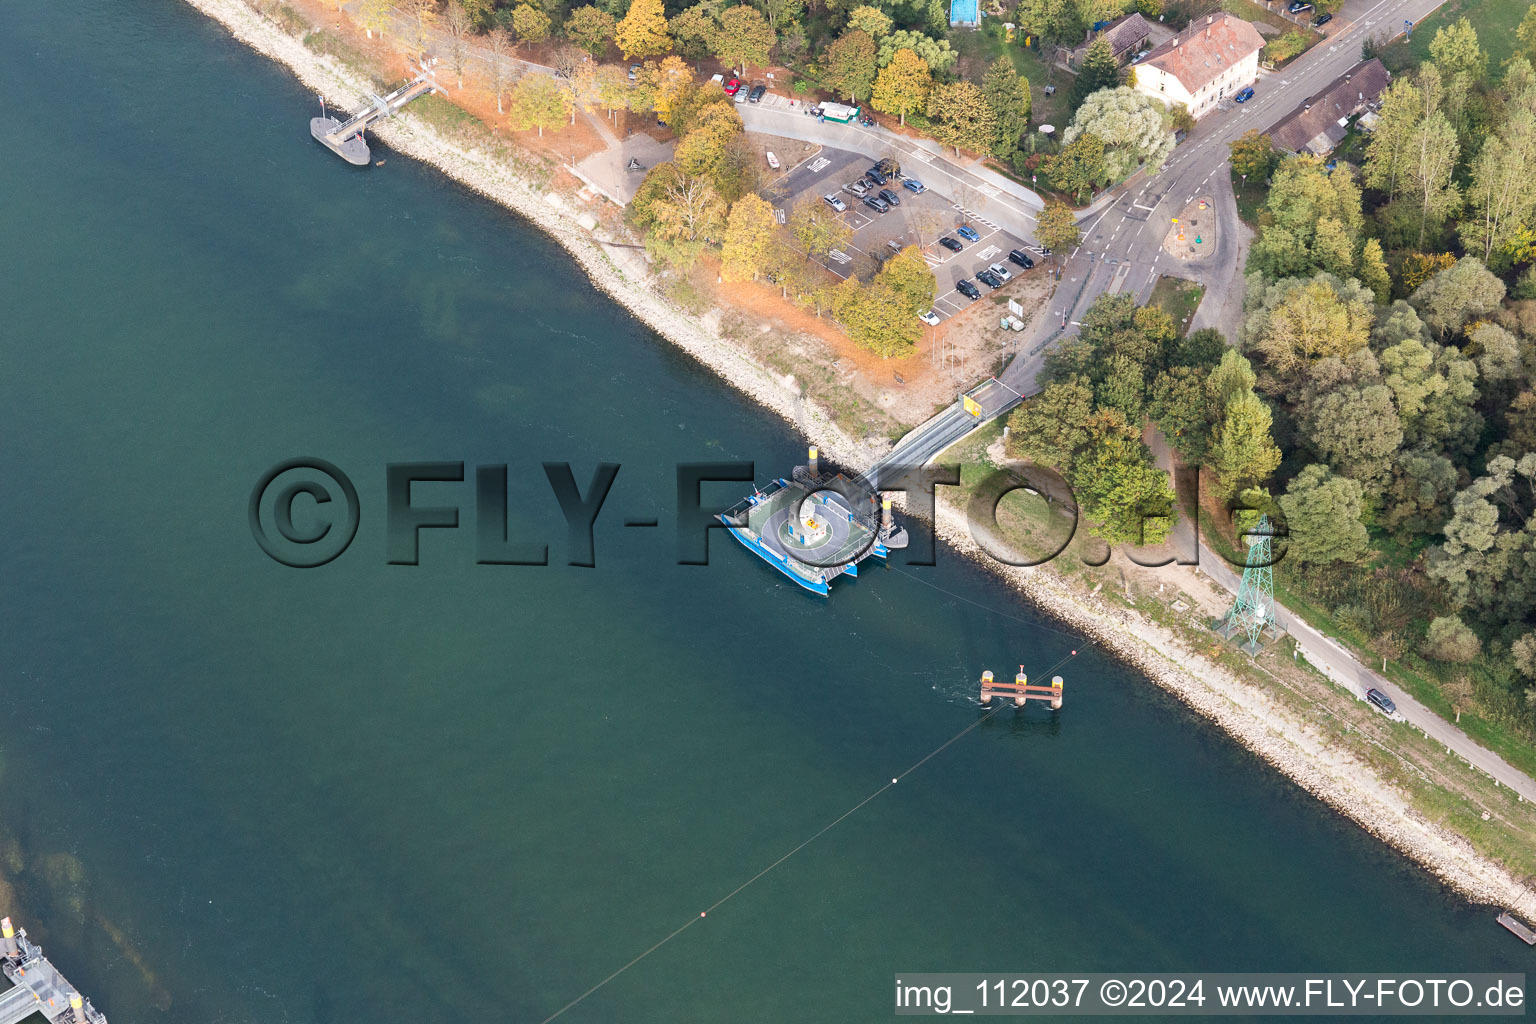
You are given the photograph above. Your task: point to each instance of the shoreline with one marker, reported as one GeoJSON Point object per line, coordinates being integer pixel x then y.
{"type": "Point", "coordinates": [1242, 710]}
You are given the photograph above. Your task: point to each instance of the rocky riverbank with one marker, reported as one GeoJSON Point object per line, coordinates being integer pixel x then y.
{"type": "Point", "coordinates": [1241, 708]}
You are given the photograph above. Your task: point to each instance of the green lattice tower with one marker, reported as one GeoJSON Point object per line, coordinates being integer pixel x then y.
{"type": "Point", "coordinates": [1254, 610]}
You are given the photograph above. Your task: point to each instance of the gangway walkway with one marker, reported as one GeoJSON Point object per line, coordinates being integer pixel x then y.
{"type": "Point", "coordinates": [345, 139]}
{"type": "Point", "coordinates": [983, 403]}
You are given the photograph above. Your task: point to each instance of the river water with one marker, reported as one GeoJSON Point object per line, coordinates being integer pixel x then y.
{"type": "Point", "coordinates": [237, 791]}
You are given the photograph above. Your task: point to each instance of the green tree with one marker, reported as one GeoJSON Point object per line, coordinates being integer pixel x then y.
{"type": "Point", "coordinates": [643, 31]}
{"type": "Point", "coordinates": [695, 29]}
{"type": "Point", "coordinates": [1373, 271]}
{"type": "Point", "coordinates": [1253, 155]}
{"type": "Point", "coordinates": [1322, 515]}
{"type": "Point", "coordinates": [1079, 167]}
{"type": "Point", "coordinates": [744, 39]}
{"type": "Point", "coordinates": [1052, 427]}
{"type": "Point", "coordinates": [876, 318]}
{"type": "Point", "coordinates": [781, 13]}
{"type": "Point", "coordinates": [530, 24]}
{"type": "Point", "coordinates": [1057, 228]}
{"type": "Point", "coordinates": [848, 67]}
{"type": "Point", "coordinates": [902, 86]}
{"type": "Point", "coordinates": [612, 88]}
{"type": "Point", "coordinates": [1180, 410]}
{"type": "Point", "coordinates": [1055, 19]}
{"type": "Point", "coordinates": [872, 21]}
{"type": "Point", "coordinates": [1099, 70]}
{"type": "Point", "coordinates": [374, 16]}
{"type": "Point", "coordinates": [1450, 639]}
{"type": "Point", "coordinates": [1007, 95]}
{"type": "Point", "coordinates": [1455, 50]}
{"type": "Point", "coordinates": [1490, 543]}
{"type": "Point", "coordinates": [1462, 292]}
{"type": "Point", "coordinates": [1526, 33]}
{"type": "Point", "coordinates": [538, 101]}
{"type": "Point", "coordinates": [961, 117]}
{"type": "Point", "coordinates": [1356, 429]}
{"type": "Point", "coordinates": [748, 239]}
{"type": "Point", "coordinates": [1117, 485]}
{"type": "Point", "coordinates": [936, 53]}
{"type": "Point", "coordinates": [590, 28]}
{"type": "Point", "coordinates": [908, 276]}
{"type": "Point", "coordinates": [1312, 220]}
{"type": "Point", "coordinates": [1294, 322]}
{"type": "Point", "coordinates": [1242, 451]}
{"type": "Point", "coordinates": [680, 213]}
{"type": "Point", "coordinates": [1130, 124]}
{"type": "Point", "coordinates": [1388, 152]}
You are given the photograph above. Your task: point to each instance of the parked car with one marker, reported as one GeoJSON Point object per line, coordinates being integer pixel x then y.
{"type": "Point", "coordinates": [1001, 271]}
{"type": "Point", "coordinates": [969, 290]}
{"type": "Point", "coordinates": [877, 204]}
{"type": "Point", "coordinates": [634, 72]}
{"type": "Point", "coordinates": [773, 161]}
{"type": "Point", "coordinates": [890, 197]}
{"type": "Point", "coordinates": [1245, 95]}
{"type": "Point", "coordinates": [1381, 700]}
{"type": "Point", "coordinates": [837, 204]}
{"type": "Point", "coordinates": [950, 244]}
{"type": "Point", "coordinates": [989, 279]}
{"type": "Point", "coordinates": [1022, 258]}
{"type": "Point", "coordinates": [756, 93]}
{"type": "Point", "coordinates": [1321, 20]}
{"type": "Point", "coordinates": [914, 186]}
{"type": "Point", "coordinates": [877, 176]}
{"type": "Point", "coordinates": [858, 188]}
{"type": "Point", "coordinates": [1299, 6]}
{"type": "Point", "coordinates": [732, 87]}
{"type": "Point", "coordinates": [929, 317]}
{"type": "Point", "coordinates": [968, 233]}
{"type": "Point", "coordinates": [1137, 59]}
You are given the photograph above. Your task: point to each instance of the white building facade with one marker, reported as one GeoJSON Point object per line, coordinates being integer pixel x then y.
{"type": "Point", "coordinates": [1212, 60]}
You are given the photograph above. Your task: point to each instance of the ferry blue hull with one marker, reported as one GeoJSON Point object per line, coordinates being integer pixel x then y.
{"type": "Point", "coordinates": [752, 545]}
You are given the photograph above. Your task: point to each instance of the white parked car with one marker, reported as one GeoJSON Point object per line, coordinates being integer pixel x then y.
{"type": "Point", "coordinates": [929, 317]}
{"type": "Point", "coordinates": [834, 202]}
{"type": "Point", "coordinates": [1001, 271]}
{"type": "Point", "coordinates": [773, 161]}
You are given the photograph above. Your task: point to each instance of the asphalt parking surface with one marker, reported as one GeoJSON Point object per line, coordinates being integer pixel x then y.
{"type": "Point", "coordinates": [919, 219]}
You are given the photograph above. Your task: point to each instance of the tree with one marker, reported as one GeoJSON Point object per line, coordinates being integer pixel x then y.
{"type": "Point", "coordinates": [781, 13]}
{"type": "Point", "coordinates": [500, 41]}
{"type": "Point", "coordinates": [1373, 271]}
{"type": "Point", "coordinates": [961, 117]}
{"type": "Point", "coordinates": [1502, 198]}
{"type": "Point", "coordinates": [1007, 95]}
{"type": "Point", "coordinates": [458, 25]}
{"type": "Point", "coordinates": [1079, 167]}
{"type": "Point", "coordinates": [872, 21]}
{"type": "Point", "coordinates": [1490, 543]}
{"type": "Point", "coordinates": [643, 31]}
{"type": "Point", "coordinates": [1387, 153]}
{"type": "Point", "coordinates": [816, 228]}
{"type": "Point", "coordinates": [1242, 451]}
{"type": "Point", "coordinates": [670, 81]}
{"type": "Point", "coordinates": [531, 24]}
{"type": "Point", "coordinates": [1312, 220]}
{"type": "Point", "coordinates": [908, 275]}
{"type": "Point", "coordinates": [538, 101]}
{"type": "Point", "coordinates": [1179, 408]}
{"type": "Point", "coordinates": [590, 28]}
{"type": "Point", "coordinates": [695, 30]}
{"type": "Point", "coordinates": [1526, 33]}
{"type": "Point", "coordinates": [744, 39]}
{"type": "Point", "coordinates": [680, 213]}
{"type": "Point", "coordinates": [1099, 70]}
{"type": "Point", "coordinates": [748, 239]}
{"type": "Point", "coordinates": [1131, 126]}
{"type": "Point", "coordinates": [903, 85]}
{"type": "Point", "coordinates": [1052, 427]}
{"type": "Point", "coordinates": [1298, 321]}
{"type": "Point", "coordinates": [848, 68]}
{"type": "Point", "coordinates": [706, 148]}
{"type": "Point", "coordinates": [1253, 155]}
{"type": "Point", "coordinates": [936, 53]}
{"type": "Point", "coordinates": [1450, 639]}
{"type": "Point", "coordinates": [1465, 291]}
{"type": "Point", "coordinates": [1356, 429]}
{"type": "Point", "coordinates": [1128, 498]}
{"type": "Point", "coordinates": [875, 318]}
{"type": "Point", "coordinates": [1057, 228]}
{"type": "Point", "coordinates": [374, 16]}
{"type": "Point", "coordinates": [1057, 20]}
{"type": "Point", "coordinates": [1458, 691]}
{"type": "Point", "coordinates": [1455, 50]}
{"type": "Point", "coordinates": [1322, 516]}
{"type": "Point", "coordinates": [420, 15]}
{"type": "Point", "coordinates": [612, 87]}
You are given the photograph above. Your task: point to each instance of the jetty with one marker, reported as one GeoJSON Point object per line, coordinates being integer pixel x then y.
{"type": "Point", "coordinates": [1020, 690]}
{"type": "Point", "coordinates": [1519, 927]}
{"type": "Point", "coordinates": [38, 985]}
{"type": "Point", "coordinates": [346, 138]}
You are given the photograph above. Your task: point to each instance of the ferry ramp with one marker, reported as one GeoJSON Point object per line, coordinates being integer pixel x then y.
{"type": "Point", "coordinates": [17, 1005]}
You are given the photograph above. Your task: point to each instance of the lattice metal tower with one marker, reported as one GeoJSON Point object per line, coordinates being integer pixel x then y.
{"type": "Point", "coordinates": [1254, 610]}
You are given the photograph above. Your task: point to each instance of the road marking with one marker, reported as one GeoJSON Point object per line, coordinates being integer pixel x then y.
{"type": "Point", "coordinates": [821, 163]}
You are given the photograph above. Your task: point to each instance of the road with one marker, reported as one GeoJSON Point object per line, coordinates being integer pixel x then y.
{"type": "Point", "coordinates": [1122, 247]}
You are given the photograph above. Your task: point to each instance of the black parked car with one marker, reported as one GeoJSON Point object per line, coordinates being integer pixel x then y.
{"type": "Point", "coordinates": [989, 279]}
{"type": "Point", "coordinates": [890, 197]}
{"type": "Point", "coordinates": [756, 93]}
{"type": "Point", "coordinates": [968, 289]}
{"type": "Point", "coordinates": [950, 244]}
{"type": "Point", "coordinates": [1321, 20]}
{"type": "Point", "coordinates": [877, 176]}
{"type": "Point", "coordinates": [877, 204]}
{"type": "Point", "coordinates": [1020, 257]}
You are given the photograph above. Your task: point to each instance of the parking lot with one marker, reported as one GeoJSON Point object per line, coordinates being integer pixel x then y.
{"type": "Point", "coordinates": [920, 219]}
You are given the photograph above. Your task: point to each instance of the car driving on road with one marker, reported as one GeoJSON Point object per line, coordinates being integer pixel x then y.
{"type": "Point", "coordinates": [834, 202]}
{"type": "Point", "coordinates": [968, 233]}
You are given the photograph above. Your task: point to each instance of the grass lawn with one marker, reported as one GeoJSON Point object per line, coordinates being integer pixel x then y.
{"type": "Point", "coordinates": [979, 48]}
{"type": "Point", "coordinates": [1494, 20]}
{"type": "Point", "coordinates": [1250, 197]}
{"type": "Point", "coordinates": [1178, 298]}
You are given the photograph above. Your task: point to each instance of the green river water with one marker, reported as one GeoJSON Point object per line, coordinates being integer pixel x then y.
{"type": "Point", "coordinates": [456, 791]}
